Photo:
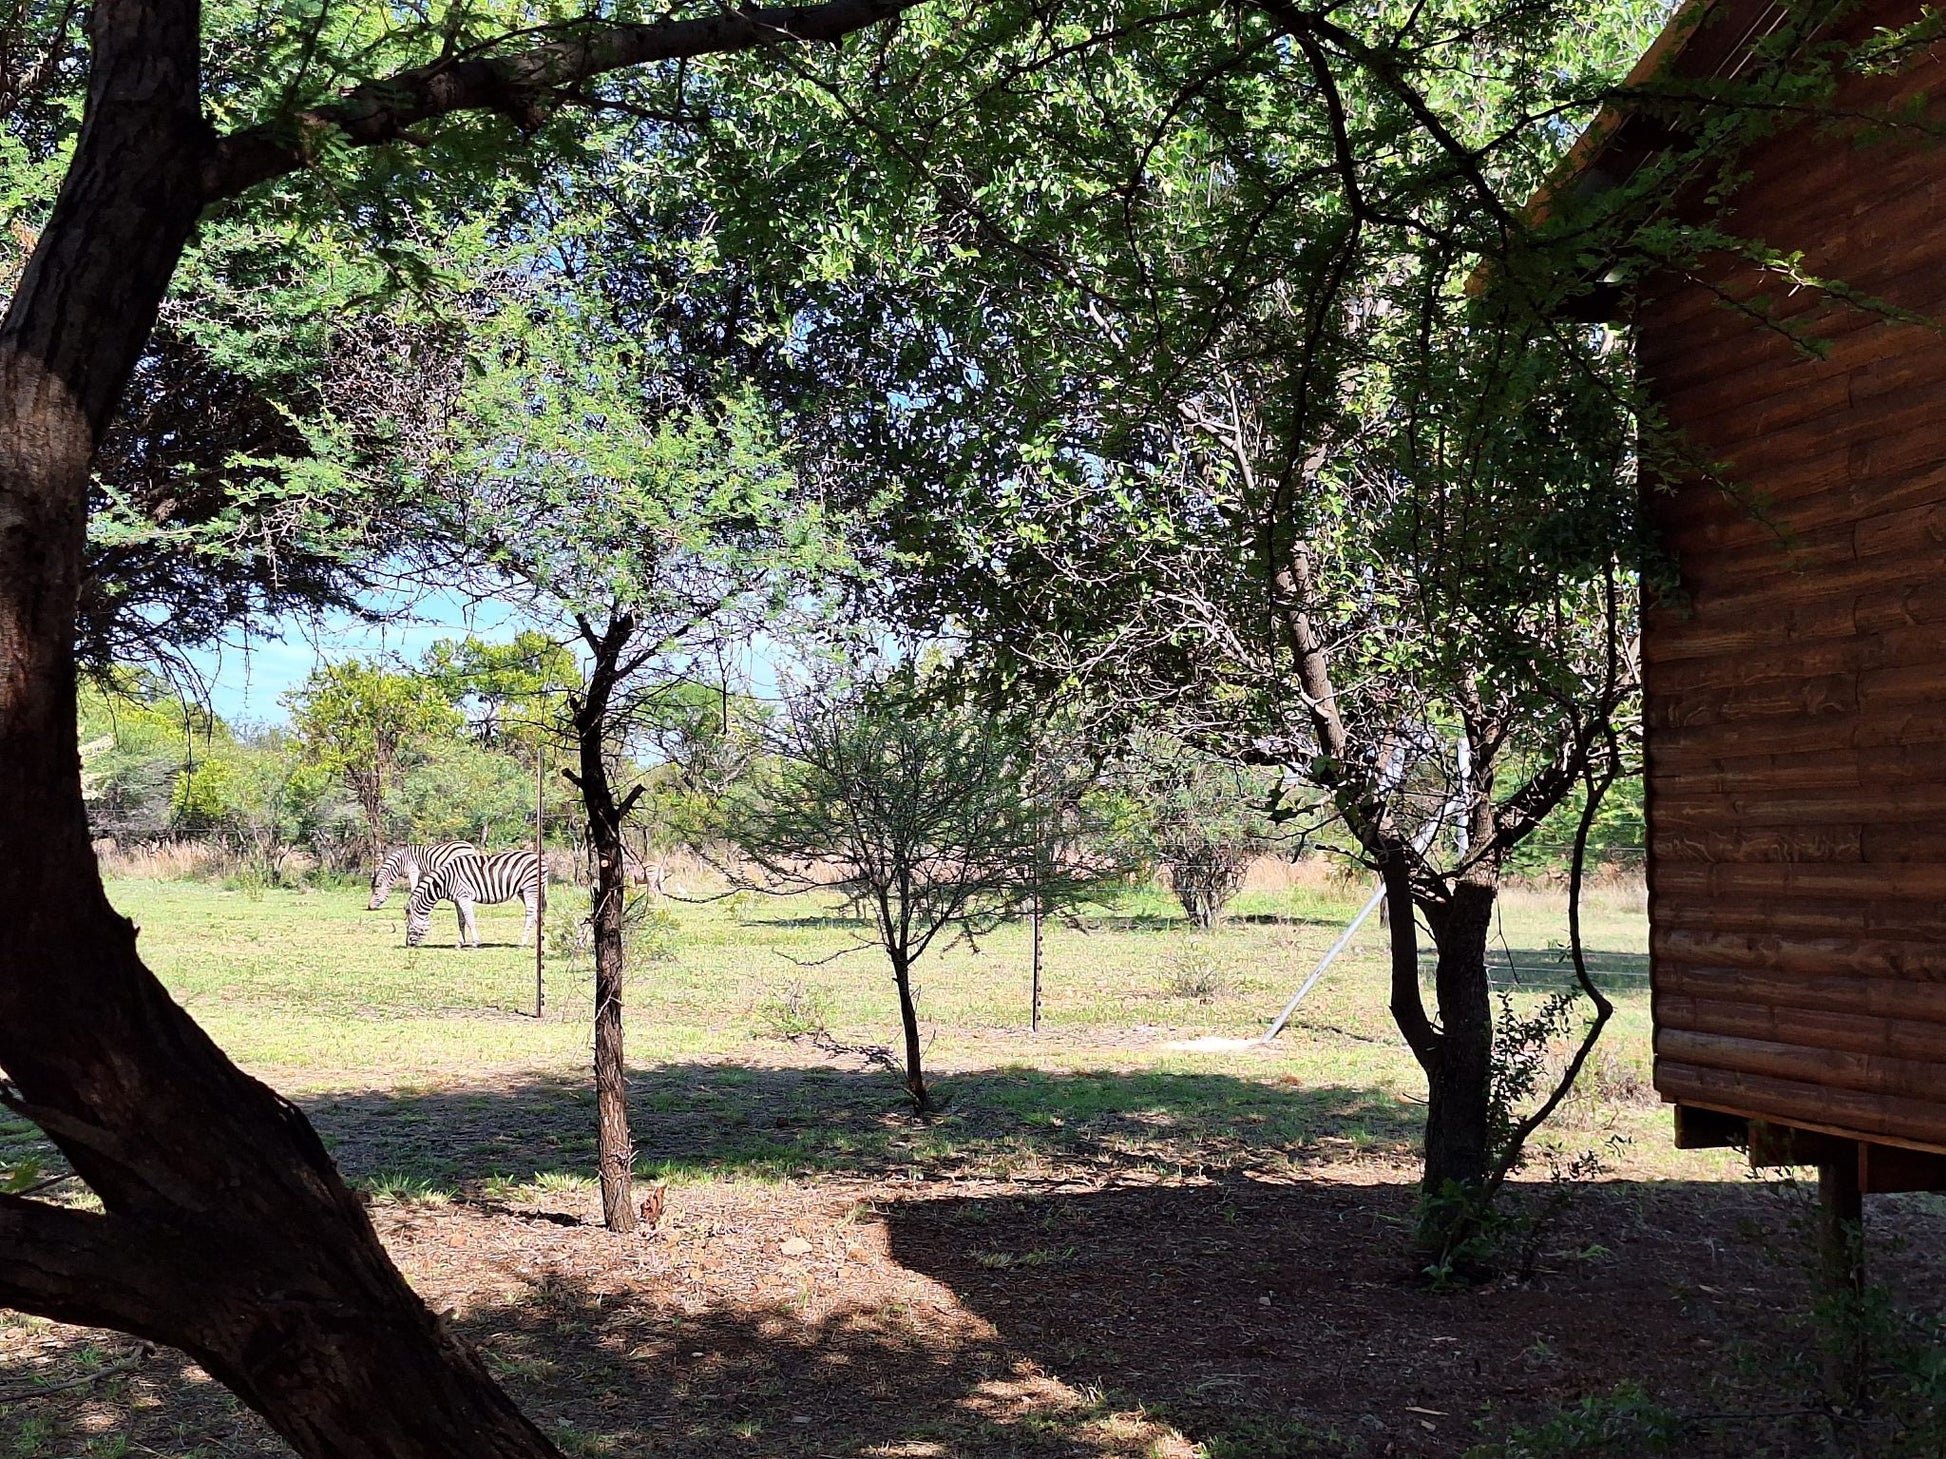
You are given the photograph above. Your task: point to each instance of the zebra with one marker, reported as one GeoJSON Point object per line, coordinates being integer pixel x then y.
{"type": "Point", "coordinates": [469, 880]}
{"type": "Point", "coordinates": [413, 863]}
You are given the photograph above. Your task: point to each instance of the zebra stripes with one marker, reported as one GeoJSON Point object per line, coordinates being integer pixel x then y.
{"type": "Point", "coordinates": [413, 863]}
{"type": "Point", "coordinates": [471, 879]}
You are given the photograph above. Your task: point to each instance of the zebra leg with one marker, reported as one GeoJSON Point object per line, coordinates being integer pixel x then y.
{"type": "Point", "coordinates": [469, 931]}
{"type": "Point", "coordinates": [532, 902]}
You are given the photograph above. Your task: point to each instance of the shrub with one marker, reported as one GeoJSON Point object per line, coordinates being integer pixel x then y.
{"type": "Point", "coordinates": [801, 1010]}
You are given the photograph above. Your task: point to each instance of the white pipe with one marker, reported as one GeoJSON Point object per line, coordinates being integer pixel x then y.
{"type": "Point", "coordinates": [1420, 842]}
{"type": "Point", "coordinates": [1337, 947]}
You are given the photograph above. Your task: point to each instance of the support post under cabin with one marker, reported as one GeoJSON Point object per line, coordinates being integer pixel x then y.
{"type": "Point", "coordinates": [1841, 1263]}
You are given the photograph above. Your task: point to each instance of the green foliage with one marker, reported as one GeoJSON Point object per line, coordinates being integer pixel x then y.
{"type": "Point", "coordinates": [1195, 972]}
{"type": "Point", "coordinates": [138, 737]}
{"type": "Point", "coordinates": [355, 719]}
{"type": "Point", "coordinates": [1201, 819]}
{"type": "Point", "coordinates": [801, 1010]}
{"type": "Point", "coordinates": [1617, 838]}
{"type": "Point", "coordinates": [569, 474]}
{"type": "Point", "coordinates": [456, 789]}
{"type": "Point", "coordinates": [265, 466]}
{"type": "Point", "coordinates": [21, 1174]}
{"type": "Point", "coordinates": [941, 821]}
{"type": "Point", "coordinates": [514, 691]}
{"type": "Point", "coordinates": [1910, 1394]}
{"type": "Point", "coordinates": [650, 931]}
{"type": "Point", "coordinates": [203, 795]}
{"type": "Point", "coordinates": [354, 712]}
{"type": "Point", "coordinates": [1620, 1424]}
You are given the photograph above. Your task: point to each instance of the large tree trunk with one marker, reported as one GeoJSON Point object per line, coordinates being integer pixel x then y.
{"type": "Point", "coordinates": [1457, 1053]}
{"type": "Point", "coordinates": [225, 1230]}
{"type": "Point", "coordinates": [1459, 1085]}
{"type": "Point", "coordinates": [614, 1149]}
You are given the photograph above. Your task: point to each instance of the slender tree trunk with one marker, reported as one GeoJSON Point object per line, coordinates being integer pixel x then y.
{"type": "Point", "coordinates": [371, 800]}
{"type": "Point", "coordinates": [915, 1078]}
{"type": "Point", "coordinates": [225, 1230]}
{"type": "Point", "coordinates": [614, 1149]}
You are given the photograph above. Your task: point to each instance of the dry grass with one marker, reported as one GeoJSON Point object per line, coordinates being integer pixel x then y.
{"type": "Point", "coordinates": [173, 860]}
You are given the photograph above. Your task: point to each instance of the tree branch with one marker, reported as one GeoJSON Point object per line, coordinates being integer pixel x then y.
{"type": "Point", "coordinates": [81, 1266]}
{"type": "Point", "coordinates": [524, 85]}
{"type": "Point", "coordinates": [141, 1354]}
{"type": "Point", "coordinates": [1408, 1003]}
{"type": "Point", "coordinates": [1386, 68]}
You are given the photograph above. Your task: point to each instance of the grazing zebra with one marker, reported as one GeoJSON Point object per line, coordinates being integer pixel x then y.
{"type": "Point", "coordinates": [413, 863]}
{"type": "Point", "coordinates": [469, 880]}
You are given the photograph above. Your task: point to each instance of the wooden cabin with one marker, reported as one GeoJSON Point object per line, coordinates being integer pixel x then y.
{"type": "Point", "coordinates": [1795, 695]}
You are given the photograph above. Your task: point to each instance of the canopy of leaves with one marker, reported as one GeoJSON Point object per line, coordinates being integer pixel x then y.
{"type": "Point", "coordinates": [941, 822]}
{"type": "Point", "coordinates": [574, 478]}
{"type": "Point", "coordinates": [354, 717]}
{"type": "Point", "coordinates": [1157, 324]}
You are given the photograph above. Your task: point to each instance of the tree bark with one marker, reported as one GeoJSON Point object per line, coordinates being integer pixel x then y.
{"type": "Point", "coordinates": [1459, 1083]}
{"type": "Point", "coordinates": [915, 1078]}
{"type": "Point", "coordinates": [225, 1230]}
{"type": "Point", "coordinates": [614, 1149]}
{"type": "Point", "coordinates": [1456, 1053]}
{"type": "Point", "coordinates": [370, 791]}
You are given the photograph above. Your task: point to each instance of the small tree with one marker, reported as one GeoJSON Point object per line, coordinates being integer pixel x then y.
{"type": "Point", "coordinates": [1204, 820]}
{"type": "Point", "coordinates": [356, 718]}
{"type": "Point", "coordinates": [937, 820]}
{"type": "Point", "coordinates": [654, 535]}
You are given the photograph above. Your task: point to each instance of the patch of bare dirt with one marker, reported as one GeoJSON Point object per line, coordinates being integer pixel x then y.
{"type": "Point", "coordinates": [1239, 1315]}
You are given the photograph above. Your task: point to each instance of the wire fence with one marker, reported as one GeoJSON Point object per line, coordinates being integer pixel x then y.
{"type": "Point", "coordinates": [1553, 978]}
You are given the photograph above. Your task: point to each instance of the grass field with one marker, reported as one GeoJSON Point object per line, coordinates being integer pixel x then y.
{"type": "Point", "coordinates": [1109, 1246]}
{"type": "Point", "coordinates": [320, 998]}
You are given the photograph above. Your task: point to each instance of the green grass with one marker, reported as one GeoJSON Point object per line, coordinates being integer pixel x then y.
{"type": "Point", "coordinates": [321, 998]}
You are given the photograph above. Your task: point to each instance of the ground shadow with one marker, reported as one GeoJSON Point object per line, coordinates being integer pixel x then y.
{"type": "Point", "coordinates": [729, 1119]}
{"type": "Point", "coordinates": [1271, 1318]}
{"type": "Point", "coordinates": [1178, 923]}
{"type": "Point", "coordinates": [822, 921]}
{"type": "Point", "coordinates": [1229, 1318]}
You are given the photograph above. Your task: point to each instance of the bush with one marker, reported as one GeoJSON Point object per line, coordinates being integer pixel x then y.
{"type": "Point", "coordinates": [1623, 1424]}
{"type": "Point", "coordinates": [800, 1011]}
{"type": "Point", "coordinates": [1203, 821]}
{"type": "Point", "coordinates": [1193, 973]}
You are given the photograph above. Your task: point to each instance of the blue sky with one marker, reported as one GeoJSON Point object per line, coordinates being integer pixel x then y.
{"type": "Point", "coordinates": [245, 679]}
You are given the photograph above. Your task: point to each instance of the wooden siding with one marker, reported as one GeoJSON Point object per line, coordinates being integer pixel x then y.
{"type": "Point", "coordinates": [1796, 699]}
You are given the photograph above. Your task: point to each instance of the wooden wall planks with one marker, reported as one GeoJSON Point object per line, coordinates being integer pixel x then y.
{"type": "Point", "coordinates": [1795, 691]}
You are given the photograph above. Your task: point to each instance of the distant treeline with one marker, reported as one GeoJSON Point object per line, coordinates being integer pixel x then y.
{"type": "Point", "coordinates": [158, 766]}
{"type": "Point", "coordinates": [376, 754]}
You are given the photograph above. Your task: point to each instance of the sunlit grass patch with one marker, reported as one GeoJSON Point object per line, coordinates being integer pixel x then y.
{"type": "Point", "coordinates": [440, 1071]}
